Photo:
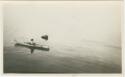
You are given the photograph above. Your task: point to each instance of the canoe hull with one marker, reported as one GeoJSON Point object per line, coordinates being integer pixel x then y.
{"type": "Point", "coordinates": [38, 47]}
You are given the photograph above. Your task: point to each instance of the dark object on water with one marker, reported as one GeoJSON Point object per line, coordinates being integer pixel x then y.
{"type": "Point", "coordinates": [45, 37]}
{"type": "Point", "coordinates": [32, 47]}
{"type": "Point", "coordinates": [31, 39]}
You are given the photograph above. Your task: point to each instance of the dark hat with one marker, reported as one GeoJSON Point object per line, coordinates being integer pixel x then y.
{"type": "Point", "coordinates": [31, 39]}
{"type": "Point", "coordinates": [45, 37]}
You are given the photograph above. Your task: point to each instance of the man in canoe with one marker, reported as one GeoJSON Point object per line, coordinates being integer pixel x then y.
{"type": "Point", "coordinates": [32, 43]}
{"type": "Point", "coordinates": [44, 42]}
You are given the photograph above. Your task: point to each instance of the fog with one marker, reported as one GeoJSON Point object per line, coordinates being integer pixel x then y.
{"type": "Point", "coordinates": [66, 24]}
{"type": "Point", "coordinates": [83, 36]}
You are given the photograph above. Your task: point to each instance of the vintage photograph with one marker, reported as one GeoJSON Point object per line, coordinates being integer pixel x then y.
{"type": "Point", "coordinates": [62, 37]}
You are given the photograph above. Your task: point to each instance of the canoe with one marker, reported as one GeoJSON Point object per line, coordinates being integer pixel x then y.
{"type": "Point", "coordinates": [38, 47]}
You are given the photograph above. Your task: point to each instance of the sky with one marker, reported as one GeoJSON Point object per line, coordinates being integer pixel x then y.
{"type": "Point", "coordinates": [64, 22]}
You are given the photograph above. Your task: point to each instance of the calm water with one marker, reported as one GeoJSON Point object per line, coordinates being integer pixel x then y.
{"type": "Point", "coordinates": [63, 59]}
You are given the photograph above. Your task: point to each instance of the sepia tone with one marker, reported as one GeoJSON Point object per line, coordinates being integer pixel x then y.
{"type": "Point", "coordinates": [82, 38]}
